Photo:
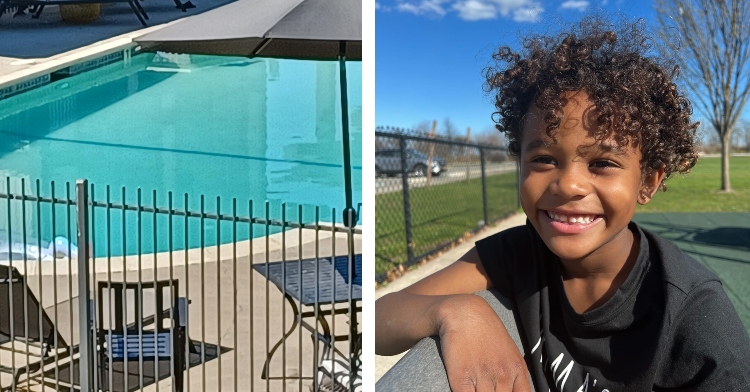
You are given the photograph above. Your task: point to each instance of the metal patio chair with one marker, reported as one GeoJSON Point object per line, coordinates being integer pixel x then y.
{"type": "Point", "coordinates": [129, 354]}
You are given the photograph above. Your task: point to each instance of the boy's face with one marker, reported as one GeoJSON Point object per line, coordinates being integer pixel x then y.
{"type": "Point", "coordinates": [579, 194]}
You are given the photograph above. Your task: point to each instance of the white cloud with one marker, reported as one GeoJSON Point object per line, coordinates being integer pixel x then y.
{"type": "Point", "coordinates": [475, 10]}
{"type": "Point", "coordinates": [579, 5]}
{"type": "Point", "coordinates": [472, 10]}
{"type": "Point", "coordinates": [424, 7]}
{"type": "Point", "coordinates": [528, 14]}
{"type": "Point", "coordinates": [382, 8]}
{"type": "Point", "coordinates": [507, 7]}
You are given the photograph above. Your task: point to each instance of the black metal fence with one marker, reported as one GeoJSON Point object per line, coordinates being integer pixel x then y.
{"type": "Point", "coordinates": [432, 191]}
{"type": "Point", "coordinates": [231, 296]}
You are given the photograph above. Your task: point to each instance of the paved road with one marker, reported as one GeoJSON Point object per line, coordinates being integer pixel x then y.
{"type": "Point", "coordinates": [454, 173]}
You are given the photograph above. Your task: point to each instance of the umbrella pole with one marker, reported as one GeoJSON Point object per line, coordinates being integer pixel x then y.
{"type": "Point", "coordinates": [350, 215]}
{"type": "Point", "coordinates": [345, 139]}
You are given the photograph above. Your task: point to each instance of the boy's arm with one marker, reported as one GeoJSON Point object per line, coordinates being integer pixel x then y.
{"type": "Point", "coordinates": [405, 317]}
{"type": "Point", "coordinates": [477, 350]}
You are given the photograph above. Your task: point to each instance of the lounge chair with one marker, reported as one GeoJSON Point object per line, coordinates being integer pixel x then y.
{"type": "Point", "coordinates": [37, 6]}
{"type": "Point", "coordinates": [22, 319]}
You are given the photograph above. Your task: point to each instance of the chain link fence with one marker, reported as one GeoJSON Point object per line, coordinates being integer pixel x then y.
{"type": "Point", "coordinates": [432, 191]}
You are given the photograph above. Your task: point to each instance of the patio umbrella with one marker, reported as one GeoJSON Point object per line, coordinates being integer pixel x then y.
{"type": "Point", "coordinates": [292, 29]}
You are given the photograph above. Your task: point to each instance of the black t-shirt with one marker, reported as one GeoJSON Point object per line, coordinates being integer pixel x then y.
{"type": "Point", "coordinates": [669, 326]}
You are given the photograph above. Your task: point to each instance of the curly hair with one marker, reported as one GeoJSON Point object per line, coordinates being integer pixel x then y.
{"type": "Point", "coordinates": [637, 101]}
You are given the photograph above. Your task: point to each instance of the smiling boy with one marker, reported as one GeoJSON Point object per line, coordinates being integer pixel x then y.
{"type": "Point", "coordinates": [600, 304]}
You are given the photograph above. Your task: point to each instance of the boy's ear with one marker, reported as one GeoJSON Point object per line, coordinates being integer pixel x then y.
{"type": "Point", "coordinates": [649, 186]}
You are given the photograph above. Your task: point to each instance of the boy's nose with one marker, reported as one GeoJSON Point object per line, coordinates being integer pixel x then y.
{"type": "Point", "coordinates": [570, 184]}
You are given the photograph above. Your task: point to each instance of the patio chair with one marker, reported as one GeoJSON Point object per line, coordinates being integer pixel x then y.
{"type": "Point", "coordinates": [130, 354]}
{"type": "Point", "coordinates": [27, 323]}
{"type": "Point", "coordinates": [11, 6]}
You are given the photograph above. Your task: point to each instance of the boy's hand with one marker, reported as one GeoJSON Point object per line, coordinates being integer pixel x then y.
{"type": "Point", "coordinates": [479, 354]}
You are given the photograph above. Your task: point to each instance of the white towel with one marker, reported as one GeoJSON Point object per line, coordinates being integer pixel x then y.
{"type": "Point", "coordinates": [337, 380]}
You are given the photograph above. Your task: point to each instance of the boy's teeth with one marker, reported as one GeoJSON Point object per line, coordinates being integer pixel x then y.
{"type": "Point", "coordinates": [571, 218]}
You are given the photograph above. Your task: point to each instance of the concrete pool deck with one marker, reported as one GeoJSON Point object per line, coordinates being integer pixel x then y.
{"type": "Point", "coordinates": [16, 70]}
{"type": "Point", "coordinates": [49, 36]}
{"type": "Point", "coordinates": [33, 47]}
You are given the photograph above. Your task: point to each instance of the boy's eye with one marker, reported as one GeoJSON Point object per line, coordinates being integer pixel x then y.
{"type": "Point", "coordinates": [603, 164]}
{"type": "Point", "coordinates": [544, 160]}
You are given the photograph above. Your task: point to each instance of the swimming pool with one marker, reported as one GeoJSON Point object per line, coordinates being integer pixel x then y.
{"type": "Point", "coordinates": [228, 127]}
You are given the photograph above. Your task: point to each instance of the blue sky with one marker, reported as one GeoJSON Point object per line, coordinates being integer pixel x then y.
{"type": "Point", "coordinates": [429, 54]}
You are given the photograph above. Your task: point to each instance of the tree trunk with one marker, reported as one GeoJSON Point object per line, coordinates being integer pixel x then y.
{"type": "Point", "coordinates": [726, 144]}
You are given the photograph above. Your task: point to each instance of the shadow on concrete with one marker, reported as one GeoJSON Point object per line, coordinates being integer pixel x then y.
{"type": "Point", "coordinates": [148, 371]}
{"type": "Point", "coordinates": [725, 237]}
{"type": "Point", "coordinates": [735, 237]}
{"type": "Point", "coordinates": [25, 37]}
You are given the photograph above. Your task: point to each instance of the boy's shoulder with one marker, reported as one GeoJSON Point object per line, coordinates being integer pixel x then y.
{"type": "Point", "coordinates": [514, 240]}
{"type": "Point", "coordinates": [678, 268]}
{"type": "Point", "coordinates": [523, 233]}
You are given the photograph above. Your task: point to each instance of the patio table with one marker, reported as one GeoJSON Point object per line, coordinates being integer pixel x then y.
{"type": "Point", "coordinates": [314, 283]}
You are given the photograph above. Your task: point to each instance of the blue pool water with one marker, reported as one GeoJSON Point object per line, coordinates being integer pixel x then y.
{"type": "Point", "coordinates": [234, 128]}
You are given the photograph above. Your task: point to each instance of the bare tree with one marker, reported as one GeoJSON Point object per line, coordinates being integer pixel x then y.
{"type": "Point", "coordinates": [423, 128]}
{"type": "Point", "coordinates": [715, 38]}
{"type": "Point", "coordinates": [490, 137]}
{"type": "Point", "coordinates": [711, 143]}
{"type": "Point", "coordinates": [450, 132]}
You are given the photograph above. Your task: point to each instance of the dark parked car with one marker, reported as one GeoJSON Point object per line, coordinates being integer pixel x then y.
{"type": "Point", "coordinates": [388, 162]}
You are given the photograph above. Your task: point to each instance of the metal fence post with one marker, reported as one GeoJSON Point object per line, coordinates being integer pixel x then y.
{"type": "Point", "coordinates": [84, 310]}
{"type": "Point", "coordinates": [353, 346]}
{"type": "Point", "coordinates": [407, 202]}
{"type": "Point", "coordinates": [484, 188]}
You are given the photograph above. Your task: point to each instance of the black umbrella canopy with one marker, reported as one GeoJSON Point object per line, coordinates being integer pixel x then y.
{"type": "Point", "coordinates": [296, 29]}
{"type": "Point", "coordinates": [303, 29]}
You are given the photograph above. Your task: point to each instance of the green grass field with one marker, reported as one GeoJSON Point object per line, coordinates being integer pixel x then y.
{"type": "Point", "coordinates": [440, 213]}
{"type": "Point", "coordinates": [445, 212]}
{"type": "Point", "coordinates": [698, 191]}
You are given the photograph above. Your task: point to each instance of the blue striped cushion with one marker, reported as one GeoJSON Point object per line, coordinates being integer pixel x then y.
{"type": "Point", "coordinates": [158, 346]}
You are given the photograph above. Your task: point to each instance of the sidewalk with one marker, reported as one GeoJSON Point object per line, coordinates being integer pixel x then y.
{"type": "Point", "coordinates": [382, 364]}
